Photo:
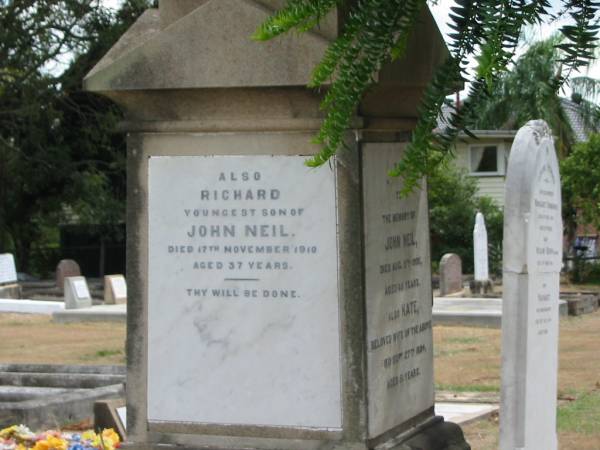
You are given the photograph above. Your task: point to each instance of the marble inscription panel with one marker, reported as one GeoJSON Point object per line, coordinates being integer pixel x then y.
{"type": "Point", "coordinates": [81, 288]}
{"type": "Point", "coordinates": [243, 317]}
{"type": "Point", "coordinates": [8, 273]}
{"type": "Point", "coordinates": [119, 287]}
{"type": "Point", "coordinates": [398, 294]}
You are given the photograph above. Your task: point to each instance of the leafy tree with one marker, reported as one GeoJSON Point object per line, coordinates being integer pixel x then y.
{"type": "Point", "coordinates": [526, 92]}
{"type": "Point", "coordinates": [453, 203]}
{"type": "Point", "coordinates": [59, 155]}
{"type": "Point", "coordinates": [580, 173]}
{"type": "Point", "coordinates": [376, 31]}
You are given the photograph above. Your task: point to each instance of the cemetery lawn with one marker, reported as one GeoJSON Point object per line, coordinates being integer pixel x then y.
{"type": "Point", "coordinates": [28, 338]}
{"type": "Point", "coordinates": [467, 360]}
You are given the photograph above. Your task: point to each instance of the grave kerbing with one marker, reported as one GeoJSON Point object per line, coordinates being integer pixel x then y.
{"type": "Point", "coordinates": [220, 125]}
{"type": "Point", "coordinates": [532, 251]}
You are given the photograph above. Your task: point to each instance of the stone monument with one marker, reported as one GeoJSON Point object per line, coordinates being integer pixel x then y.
{"type": "Point", "coordinates": [532, 262]}
{"type": "Point", "coordinates": [246, 270]}
{"type": "Point", "coordinates": [77, 294]}
{"type": "Point", "coordinates": [66, 268]}
{"type": "Point", "coordinates": [9, 287]}
{"type": "Point", "coordinates": [481, 283]}
{"type": "Point", "coordinates": [115, 289]}
{"type": "Point", "coordinates": [450, 274]}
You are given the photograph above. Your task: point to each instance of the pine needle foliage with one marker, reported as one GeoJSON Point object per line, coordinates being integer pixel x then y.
{"type": "Point", "coordinates": [376, 32]}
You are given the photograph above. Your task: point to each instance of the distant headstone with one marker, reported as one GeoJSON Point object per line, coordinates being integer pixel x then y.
{"type": "Point", "coordinates": [532, 264]}
{"type": "Point", "coordinates": [8, 271]}
{"type": "Point", "coordinates": [482, 283]}
{"type": "Point", "coordinates": [77, 294]}
{"type": "Point", "coordinates": [480, 249]}
{"type": "Point", "coordinates": [450, 274]}
{"type": "Point", "coordinates": [115, 289]}
{"type": "Point", "coordinates": [66, 268]}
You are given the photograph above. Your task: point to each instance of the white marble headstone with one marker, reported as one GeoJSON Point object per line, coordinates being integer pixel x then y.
{"type": "Point", "coordinates": [115, 289]}
{"type": "Point", "coordinates": [243, 314]}
{"type": "Point", "coordinates": [480, 249]}
{"type": "Point", "coordinates": [8, 271]}
{"type": "Point", "coordinates": [398, 294]}
{"type": "Point", "coordinates": [77, 294]}
{"type": "Point", "coordinates": [532, 264]}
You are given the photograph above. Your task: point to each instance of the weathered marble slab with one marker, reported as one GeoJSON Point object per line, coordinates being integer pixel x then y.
{"type": "Point", "coordinates": [532, 264]}
{"type": "Point", "coordinates": [243, 293]}
{"type": "Point", "coordinates": [398, 294]}
{"type": "Point", "coordinates": [8, 271]}
{"type": "Point", "coordinates": [480, 249]}
{"type": "Point", "coordinates": [66, 268]}
{"type": "Point", "coordinates": [77, 294]}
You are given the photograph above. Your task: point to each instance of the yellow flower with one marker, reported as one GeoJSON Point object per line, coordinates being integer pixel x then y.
{"type": "Point", "coordinates": [51, 443]}
{"type": "Point", "coordinates": [41, 445]}
{"type": "Point", "coordinates": [110, 434]}
{"type": "Point", "coordinates": [88, 435]}
{"type": "Point", "coordinates": [7, 432]}
{"type": "Point", "coordinates": [107, 440]}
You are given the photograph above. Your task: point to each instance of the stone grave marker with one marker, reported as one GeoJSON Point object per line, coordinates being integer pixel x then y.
{"type": "Point", "coordinates": [246, 308]}
{"type": "Point", "coordinates": [77, 294]}
{"type": "Point", "coordinates": [115, 289]}
{"type": "Point", "coordinates": [480, 249]}
{"type": "Point", "coordinates": [66, 268]}
{"type": "Point", "coordinates": [9, 286]}
{"type": "Point", "coordinates": [532, 251]}
{"type": "Point", "coordinates": [398, 295]}
{"type": "Point", "coordinates": [8, 271]}
{"type": "Point", "coordinates": [450, 274]}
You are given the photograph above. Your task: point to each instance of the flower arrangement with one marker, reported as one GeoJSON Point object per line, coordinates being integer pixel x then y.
{"type": "Point", "coordinates": [19, 437]}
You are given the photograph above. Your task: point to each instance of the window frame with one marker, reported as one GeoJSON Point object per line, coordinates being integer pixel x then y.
{"type": "Point", "coordinates": [501, 160]}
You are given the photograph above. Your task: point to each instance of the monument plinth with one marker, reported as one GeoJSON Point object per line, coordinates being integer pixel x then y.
{"type": "Point", "coordinates": [270, 305]}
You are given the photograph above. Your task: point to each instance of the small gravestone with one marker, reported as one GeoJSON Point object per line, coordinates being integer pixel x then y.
{"type": "Point", "coordinates": [77, 294]}
{"type": "Point", "coordinates": [66, 268]}
{"type": "Point", "coordinates": [450, 274]}
{"type": "Point", "coordinates": [532, 263]}
{"type": "Point", "coordinates": [8, 271]}
{"type": "Point", "coordinates": [9, 288]}
{"type": "Point", "coordinates": [115, 289]}
{"type": "Point", "coordinates": [481, 283]}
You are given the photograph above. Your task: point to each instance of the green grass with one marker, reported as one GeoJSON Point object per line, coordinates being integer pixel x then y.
{"type": "Point", "coordinates": [581, 415]}
{"type": "Point", "coordinates": [467, 388]}
{"type": "Point", "coordinates": [464, 340]}
{"type": "Point", "coordinates": [105, 353]}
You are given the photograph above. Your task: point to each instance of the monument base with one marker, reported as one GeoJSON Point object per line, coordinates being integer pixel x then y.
{"type": "Point", "coordinates": [481, 287]}
{"type": "Point", "coordinates": [10, 291]}
{"type": "Point", "coordinates": [436, 434]}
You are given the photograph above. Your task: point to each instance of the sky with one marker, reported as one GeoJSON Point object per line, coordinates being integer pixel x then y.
{"type": "Point", "coordinates": [543, 31]}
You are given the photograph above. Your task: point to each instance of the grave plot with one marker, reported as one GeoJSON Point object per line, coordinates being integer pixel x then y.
{"type": "Point", "coordinates": [44, 395]}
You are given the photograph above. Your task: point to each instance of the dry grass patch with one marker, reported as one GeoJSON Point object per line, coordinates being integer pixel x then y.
{"type": "Point", "coordinates": [468, 359]}
{"type": "Point", "coordinates": [36, 339]}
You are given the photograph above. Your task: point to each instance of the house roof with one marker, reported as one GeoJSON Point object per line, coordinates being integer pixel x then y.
{"type": "Point", "coordinates": [572, 111]}
{"type": "Point", "coordinates": [574, 116]}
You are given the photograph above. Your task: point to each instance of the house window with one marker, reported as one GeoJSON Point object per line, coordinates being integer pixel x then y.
{"type": "Point", "coordinates": [487, 160]}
